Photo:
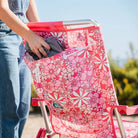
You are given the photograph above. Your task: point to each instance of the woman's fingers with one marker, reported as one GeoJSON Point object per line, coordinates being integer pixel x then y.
{"type": "Point", "coordinates": [37, 53]}
{"type": "Point", "coordinates": [45, 44]}
{"type": "Point", "coordinates": [41, 50]}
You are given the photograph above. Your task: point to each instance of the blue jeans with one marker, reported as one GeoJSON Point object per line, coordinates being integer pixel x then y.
{"type": "Point", "coordinates": [15, 87]}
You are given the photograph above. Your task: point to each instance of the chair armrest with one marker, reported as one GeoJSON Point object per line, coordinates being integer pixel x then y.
{"type": "Point", "coordinates": [128, 110]}
{"type": "Point", "coordinates": [35, 101]}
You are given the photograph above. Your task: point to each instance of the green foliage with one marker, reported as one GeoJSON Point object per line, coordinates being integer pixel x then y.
{"type": "Point", "coordinates": [34, 95]}
{"type": "Point", "coordinates": [126, 79]}
{"type": "Point", "coordinates": [33, 91]}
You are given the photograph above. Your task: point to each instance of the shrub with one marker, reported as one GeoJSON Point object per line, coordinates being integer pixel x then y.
{"type": "Point", "coordinates": [125, 80]}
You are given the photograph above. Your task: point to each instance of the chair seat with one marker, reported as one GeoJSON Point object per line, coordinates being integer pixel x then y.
{"type": "Point", "coordinates": [131, 128]}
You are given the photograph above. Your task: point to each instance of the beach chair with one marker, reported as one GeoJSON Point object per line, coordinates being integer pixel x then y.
{"type": "Point", "coordinates": [76, 85]}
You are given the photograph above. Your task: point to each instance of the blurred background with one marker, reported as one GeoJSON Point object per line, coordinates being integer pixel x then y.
{"type": "Point", "coordinates": [119, 24]}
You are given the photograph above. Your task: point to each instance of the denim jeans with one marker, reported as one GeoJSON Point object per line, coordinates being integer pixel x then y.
{"type": "Point", "coordinates": [15, 86]}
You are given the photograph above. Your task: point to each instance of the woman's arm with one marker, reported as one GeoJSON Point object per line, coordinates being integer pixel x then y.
{"type": "Point", "coordinates": [7, 16]}
{"type": "Point", "coordinates": [32, 14]}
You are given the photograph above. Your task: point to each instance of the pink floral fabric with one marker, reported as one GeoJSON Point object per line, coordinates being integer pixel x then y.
{"type": "Point", "coordinates": [131, 129]}
{"type": "Point", "coordinates": [76, 84]}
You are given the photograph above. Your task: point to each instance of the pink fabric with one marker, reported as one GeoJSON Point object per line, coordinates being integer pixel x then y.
{"type": "Point", "coordinates": [131, 129]}
{"type": "Point", "coordinates": [77, 84]}
{"type": "Point", "coordinates": [41, 133]}
{"type": "Point", "coordinates": [128, 110]}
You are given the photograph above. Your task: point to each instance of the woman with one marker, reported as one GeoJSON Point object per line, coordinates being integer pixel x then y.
{"type": "Point", "coordinates": [14, 74]}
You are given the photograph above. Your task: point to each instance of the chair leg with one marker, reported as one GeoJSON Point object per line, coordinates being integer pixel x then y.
{"type": "Point", "coordinates": [45, 116]}
{"type": "Point", "coordinates": [120, 123]}
{"type": "Point", "coordinates": [49, 131]}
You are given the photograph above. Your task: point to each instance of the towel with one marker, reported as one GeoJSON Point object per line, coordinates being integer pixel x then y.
{"type": "Point", "coordinates": [55, 48]}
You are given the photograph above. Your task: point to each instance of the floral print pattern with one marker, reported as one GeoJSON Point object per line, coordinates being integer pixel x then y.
{"type": "Point", "coordinates": [78, 80]}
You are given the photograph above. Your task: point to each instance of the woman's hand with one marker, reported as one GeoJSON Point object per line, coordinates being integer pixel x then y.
{"type": "Point", "coordinates": [35, 43]}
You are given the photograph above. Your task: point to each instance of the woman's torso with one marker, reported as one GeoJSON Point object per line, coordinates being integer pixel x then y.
{"type": "Point", "coordinates": [19, 8]}
{"type": "Point", "coordinates": [9, 41]}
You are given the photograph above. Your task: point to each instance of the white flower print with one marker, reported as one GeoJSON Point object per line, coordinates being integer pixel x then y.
{"type": "Point", "coordinates": [102, 62]}
{"type": "Point", "coordinates": [80, 98]}
{"type": "Point", "coordinates": [77, 63]}
{"type": "Point", "coordinates": [85, 53]}
{"type": "Point", "coordinates": [50, 71]}
{"type": "Point", "coordinates": [106, 116]}
{"type": "Point", "coordinates": [56, 98]}
{"type": "Point", "coordinates": [66, 72]}
{"type": "Point", "coordinates": [58, 36]}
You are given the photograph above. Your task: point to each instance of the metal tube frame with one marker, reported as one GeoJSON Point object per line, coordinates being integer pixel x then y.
{"type": "Point", "coordinates": [46, 119]}
{"type": "Point", "coordinates": [80, 22]}
{"type": "Point", "coordinates": [120, 123]}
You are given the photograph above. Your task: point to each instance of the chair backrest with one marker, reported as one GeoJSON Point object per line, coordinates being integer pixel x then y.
{"type": "Point", "coordinates": [76, 84]}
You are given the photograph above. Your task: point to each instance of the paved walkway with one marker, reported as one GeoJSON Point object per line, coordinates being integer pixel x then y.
{"type": "Point", "coordinates": [35, 121]}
